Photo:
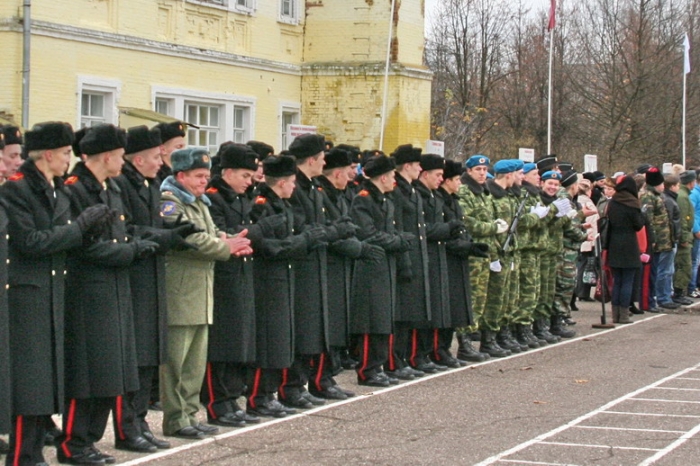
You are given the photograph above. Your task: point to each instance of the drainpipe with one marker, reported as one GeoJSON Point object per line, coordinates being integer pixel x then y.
{"type": "Point", "coordinates": [26, 45]}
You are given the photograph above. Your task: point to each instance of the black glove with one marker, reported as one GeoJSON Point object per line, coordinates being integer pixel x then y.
{"type": "Point", "coordinates": [93, 218]}
{"type": "Point", "coordinates": [405, 274]}
{"type": "Point", "coordinates": [178, 222]}
{"type": "Point", "coordinates": [178, 236]}
{"type": "Point", "coordinates": [315, 237]}
{"type": "Point", "coordinates": [479, 250]}
{"type": "Point", "coordinates": [274, 226]}
{"type": "Point", "coordinates": [408, 241]}
{"type": "Point", "coordinates": [456, 228]}
{"type": "Point", "coordinates": [144, 248]}
{"type": "Point", "coordinates": [341, 229]}
{"type": "Point", "coordinates": [372, 253]}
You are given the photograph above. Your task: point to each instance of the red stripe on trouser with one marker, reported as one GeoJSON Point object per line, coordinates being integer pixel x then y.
{"type": "Point", "coordinates": [210, 389]}
{"type": "Point", "coordinates": [18, 440]}
{"type": "Point", "coordinates": [319, 373]}
{"type": "Point", "coordinates": [256, 387]}
{"type": "Point", "coordinates": [436, 344]}
{"type": "Point", "coordinates": [120, 417]}
{"type": "Point", "coordinates": [646, 270]}
{"type": "Point", "coordinates": [392, 362]}
{"type": "Point", "coordinates": [69, 429]}
{"type": "Point", "coordinates": [365, 350]}
{"type": "Point", "coordinates": [414, 346]}
{"type": "Point", "coordinates": [285, 376]}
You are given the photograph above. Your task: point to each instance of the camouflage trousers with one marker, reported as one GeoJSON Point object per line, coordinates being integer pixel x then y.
{"type": "Point", "coordinates": [497, 296]}
{"type": "Point", "coordinates": [683, 263]}
{"type": "Point", "coordinates": [566, 282]}
{"type": "Point", "coordinates": [479, 280]}
{"type": "Point", "coordinates": [548, 277]}
{"type": "Point", "coordinates": [529, 287]}
{"type": "Point", "coordinates": [512, 296]}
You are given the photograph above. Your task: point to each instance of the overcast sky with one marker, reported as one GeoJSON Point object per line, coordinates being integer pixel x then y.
{"type": "Point", "coordinates": [431, 6]}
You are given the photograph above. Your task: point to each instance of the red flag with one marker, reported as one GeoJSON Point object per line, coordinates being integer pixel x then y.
{"type": "Point", "coordinates": [552, 15]}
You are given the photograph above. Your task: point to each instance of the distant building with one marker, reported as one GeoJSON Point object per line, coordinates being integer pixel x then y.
{"type": "Point", "coordinates": [238, 69]}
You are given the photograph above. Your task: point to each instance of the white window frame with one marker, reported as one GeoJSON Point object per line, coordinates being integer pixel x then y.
{"type": "Point", "coordinates": [287, 107]}
{"type": "Point", "coordinates": [249, 7]}
{"type": "Point", "coordinates": [111, 90]}
{"type": "Point", "coordinates": [228, 102]}
{"type": "Point", "coordinates": [208, 128]}
{"type": "Point", "coordinates": [292, 18]}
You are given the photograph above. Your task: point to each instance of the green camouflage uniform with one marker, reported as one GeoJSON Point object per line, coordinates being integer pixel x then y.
{"type": "Point", "coordinates": [479, 219]}
{"type": "Point", "coordinates": [573, 236]}
{"type": "Point", "coordinates": [683, 263]}
{"type": "Point", "coordinates": [532, 242]}
{"type": "Point", "coordinates": [657, 215]}
{"type": "Point", "coordinates": [548, 264]}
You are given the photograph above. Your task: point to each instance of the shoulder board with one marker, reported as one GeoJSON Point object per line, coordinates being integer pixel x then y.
{"type": "Point", "coordinates": [169, 193]}
{"type": "Point", "coordinates": [363, 193]}
{"type": "Point", "coordinates": [260, 200]}
{"type": "Point", "coordinates": [212, 190]}
{"type": "Point", "coordinates": [71, 180]}
{"type": "Point", "coordinates": [16, 177]}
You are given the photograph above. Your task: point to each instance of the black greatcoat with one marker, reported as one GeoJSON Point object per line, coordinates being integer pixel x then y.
{"type": "Point", "coordinates": [340, 258]}
{"type": "Point", "coordinates": [232, 336]}
{"type": "Point", "coordinates": [141, 200]}
{"type": "Point", "coordinates": [413, 284]}
{"type": "Point", "coordinates": [5, 393]}
{"type": "Point", "coordinates": [100, 343]}
{"type": "Point", "coordinates": [438, 233]}
{"type": "Point", "coordinates": [310, 275]}
{"type": "Point", "coordinates": [373, 298]}
{"type": "Point", "coordinates": [457, 269]}
{"type": "Point", "coordinates": [40, 232]}
{"type": "Point", "coordinates": [273, 282]}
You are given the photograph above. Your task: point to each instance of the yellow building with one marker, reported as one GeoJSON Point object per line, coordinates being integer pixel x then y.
{"type": "Point", "coordinates": [238, 69]}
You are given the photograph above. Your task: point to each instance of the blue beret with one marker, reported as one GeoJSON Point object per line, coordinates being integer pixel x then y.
{"type": "Point", "coordinates": [476, 160]}
{"type": "Point", "coordinates": [519, 164]}
{"type": "Point", "coordinates": [551, 175]}
{"type": "Point", "coordinates": [505, 166]}
{"type": "Point", "coordinates": [190, 159]}
{"type": "Point", "coordinates": [528, 167]}
{"type": "Point", "coordinates": [489, 176]}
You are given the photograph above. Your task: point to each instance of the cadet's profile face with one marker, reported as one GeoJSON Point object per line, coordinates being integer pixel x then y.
{"type": "Point", "coordinates": [58, 160]}
{"type": "Point", "coordinates": [340, 177]}
{"type": "Point", "coordinates": [317, 163]}
{"type": "Point", "coordinates": [170, 146]}
{"type": "Point", "coordinates": [518, 177]}
{"type": "Point", "coordinates": [287, 186]}
{"type": "Point", "coordinates": [238, 179]}
{"type": "Point", "coordinates": [451, 185]}
{"type": "Point", "coordinates": [478, 173]}
{"type": "Point", "coordinates": [114, 160]}
{"type": "Point", "coordinates": [352, 170]}
{"type": "Point", "coordinates": [195, 181]}
{"type": "Point", "coordinates": [148, 162]}
{"type": "Point", "coordinates": [532, 177]}
{"type": "Point", "coordinates": [550, 187]}
{"type": "Point", "coordinates": [259, 177]}
{"type": "Point", "coordinates": [432, 178]}
{"type": "Point", "coordinates": [12, 157]}
{"type": "Point", "coordinates": [412, 170]}
{"type": "Point", "coordinates": [388, 181]}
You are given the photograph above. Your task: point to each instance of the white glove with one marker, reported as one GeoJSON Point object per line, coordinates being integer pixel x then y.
{"type": "Point", "coordinates": [540, 210]}
{"type": "Point", "coordinates": [495, 266]}
{"type": "Point", "coordinates": [572, 213]}
{"type": "Point", "coordinates": [501, 226]}
{"type": "Point", "coordinates": [563, 206]}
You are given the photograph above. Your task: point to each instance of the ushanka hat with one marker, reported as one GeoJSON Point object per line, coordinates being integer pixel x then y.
{"type": "Point", "coordinates": [238, 156]}
{"type": "Point", "coordinates": [48, 135]}
{"type": "Point", "coordinates": [654, 177]}
{"type": "Point", "coordinates": [452, 169]}
{"type": "Point", "coordinates": [171, 130]}
{"type": "Point", "coordinates": [261, 148]}
{"type": "Point", "coordinates": [432, 162]}
{"type": "Point", "coordinates": [183, 160]}
{"type": "Point", "coordinates": [103, 138]}
{"type": "Point", "coordinates": [279, 166]}
{"type": "Point", "coordinates": [378, 165]}
{"type": "Point", "coordinates": [13, 135]}
{"type": "Point", "coordinates": [406, 153]}
{"type": "Point", "coordinates": [139, 138]}
{"type": "Point", "coordinates": [337, 158]}
{"type": "Point", "coordinates": [354, 151]}
{"type": "Point", "coordinates": [306, 145]}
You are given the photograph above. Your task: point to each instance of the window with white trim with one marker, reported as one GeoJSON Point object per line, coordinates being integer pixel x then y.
{"type": "Point", "coordinates": [97, 102]}
{"type": "Point", "coordinates": [289, 117]}
{"type": "Point", "coordinates": [289, 11]}
{"type": "Point", "coordinates": [92, 109]}
{"type": "Point", "coordinates": [243, 6]}
{"type": "Point", "coordinates": [241, 124]}
{"type": "Point", "coordinates": [206, 118]}
{"type": "Point", "coordinates": [164, 106]}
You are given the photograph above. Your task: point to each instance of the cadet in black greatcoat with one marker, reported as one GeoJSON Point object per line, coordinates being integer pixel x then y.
{"type": "Point", "coordinates": [140, 196]}
{"type": "Point", "coordinates": [40, 232]}
{"type": "Point", "coordinates": [5, 394]}
{"type": "Point", "coordinates": [100, 350]}
{"type": "Point", "coordinates": [373, 297]}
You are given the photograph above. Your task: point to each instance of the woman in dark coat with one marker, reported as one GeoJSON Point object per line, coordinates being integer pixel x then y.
{"type": "Point", "coordinates": [625, 217]}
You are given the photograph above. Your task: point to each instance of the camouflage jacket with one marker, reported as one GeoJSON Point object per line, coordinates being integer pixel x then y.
{"type": "Point", "coordinates": [527, 221]}
{"type": "Point", "coordinates": [537, 236]}
{"type": "Point", "coordinates": [687, 215]}
{"type": "Point", "coordinates": [657, 215]}
{"type": "Point", "coordinates": [504, 209]}
{"type": "Point", "coordinates": [479, 218]}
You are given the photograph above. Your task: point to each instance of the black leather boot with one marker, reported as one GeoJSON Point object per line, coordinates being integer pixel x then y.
{"type": "Point", "coordinates": [503, 340]}
{"type": "Point", "coordinates": [466, 352]}
{"type": "Point", "coordinates": [490, 347]}
{"type": "Point", "coordinates": [559, 328]}
{"type": "Point", "coordinates": [541, 331]}
{"type": "Point", "coordinates": [523, 338]}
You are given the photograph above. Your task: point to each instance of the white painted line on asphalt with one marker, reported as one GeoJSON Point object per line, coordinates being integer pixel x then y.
{"type": "Point", "coordinates": [660, 400]}
{"type": "Point", "coordinates": [629, 429]}
{"type": "Point", "coordinates": [310, 412]}
{"type": "Point", "coordinates": [537, 462]}
{"type": "Point", "coordinates": [688, 378]}
{"type": "Point", "coordinates": [541, 438]}
{"type": "Point", "coordinates": [677, 389]}
{"type": "Point", "coordinates": [587, 445]}
{"type": "Point", "coordinates": [626, 413]}
{"type": "Point", "coordinates": [684, 438]}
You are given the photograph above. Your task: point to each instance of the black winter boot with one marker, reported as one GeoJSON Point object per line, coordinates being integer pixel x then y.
{"type": "Point", "coordinates": [490, 347]}
{"type": "Point", "coordinates": [559, 328]}
{"type": "Point", "coordinates": [541, 331]}
{"type": "Point", "coordinates": [523, 338]}
{"type": "Point", "coordinates": [466, 352]}
{"type": "Point", "coordinates": [503, 338]}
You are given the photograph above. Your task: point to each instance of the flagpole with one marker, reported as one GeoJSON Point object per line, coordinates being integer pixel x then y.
{"type": "Point", "coordinates": [685, 79]}
{"type": "Point", "coordinates": [686, 70]}
{"type": "Point", "coordinates": [549, 100]}
{"type": "Point", "coordinates": [386, 75]}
